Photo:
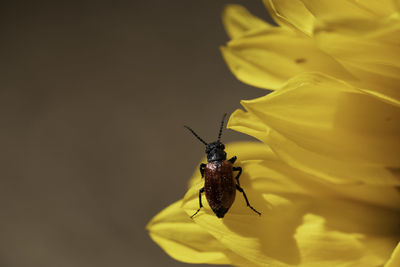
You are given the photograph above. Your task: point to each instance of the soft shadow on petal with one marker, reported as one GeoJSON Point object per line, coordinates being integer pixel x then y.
{"type": "Point", "coordinates": [321, 244]}
{"type": "Point", "coordinates": [242, 231]}
{"type": "Point", "coordinates": [247, 222]}
{"type": "Point", "coordinates": [267, 59]}
{"type": "Point", "coordinates": [275, 176]}
{"type": "Point", "coordinates": [238, 21]}
{"type": "Point", "coordinates": [396, 4]}
{"type": "Point", "coordinates": [331, 170]}
{"type": "Point", "coordinates": [384, 30]}
{"type": "Point", "coordinates": [331, 118]}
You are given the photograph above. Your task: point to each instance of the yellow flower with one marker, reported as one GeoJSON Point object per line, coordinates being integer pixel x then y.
{"type": "Point", "coordinates": [326, 176]}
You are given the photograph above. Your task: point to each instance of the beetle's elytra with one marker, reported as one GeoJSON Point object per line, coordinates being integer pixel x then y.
{"type": "Point", "coordinates": [220, 185]}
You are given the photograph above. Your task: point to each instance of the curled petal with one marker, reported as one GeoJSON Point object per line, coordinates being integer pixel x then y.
{"type": "Point", "coordinates": [239, 21]}
{"type": "Point", "coordinates": [247, 122]}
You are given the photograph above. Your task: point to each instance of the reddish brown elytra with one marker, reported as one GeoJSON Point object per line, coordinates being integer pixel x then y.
{"type": "Point", "coordinates": [220, 185]}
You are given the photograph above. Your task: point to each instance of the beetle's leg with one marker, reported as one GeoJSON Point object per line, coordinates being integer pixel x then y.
{"type": "Point", "coordinates": [245, 198]}
{"type": "Point", "coordinates": [202, 167]}
{"type": "Point", "coordinates": [237, 176]}
{"type": "Point", "coordinates": [201, 205]}
{"type": "Point", "coordinates": [233, 159]}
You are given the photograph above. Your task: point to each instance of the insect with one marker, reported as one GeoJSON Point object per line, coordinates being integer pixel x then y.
{"type": "Point", "coordinates": [220, 185]}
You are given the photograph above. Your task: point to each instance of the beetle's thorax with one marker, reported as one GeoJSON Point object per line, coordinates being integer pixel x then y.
{"type": "Point", "coordinates": [215, 151]}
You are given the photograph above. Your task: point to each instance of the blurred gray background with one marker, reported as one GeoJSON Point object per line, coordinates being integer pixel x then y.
{"type": "Point", "coordinates": [93, 97]}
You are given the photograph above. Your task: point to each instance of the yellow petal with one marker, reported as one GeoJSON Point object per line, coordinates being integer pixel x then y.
{"type": "Point", "coordinates": [377, 78]}
{"type": "Point", "coordinates": [183, 239]}
{"type": "Point", "coordinates": [248, 123]}
{"type": "Point", "coordinates": [268, 58]}
{"type": "Point", "coordinates": [274, 176]}
{"type": "Point", "coordinates": [366, 8]}
{"type": "Point", "coordinates": [333, 119]}
{"type": "Point", "coordinates": [291, 13]}
{"type": "Point", "coordinates": [320, 243]}
{"type": "Point", "coordinates": [394, 260]}
{"type": "Point", "coordinates": [368, 49]}
{"type": "Point", "coordinates": [384, 30]}
{"type": "Point", "coordinates": [334, 171]}
{"type": "Point", "coordinates": [396, 4]}
{"type": "Point", "coordinates": [304, 222]}
{"type": "Point", "coordinates": [302, 14]}
{"type": "Point", "coordinates": [238, 21]}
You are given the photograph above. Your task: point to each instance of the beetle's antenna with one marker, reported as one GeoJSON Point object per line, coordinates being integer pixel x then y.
{"type": "Point", "coordinates": [222, 126]}
{"type": "Point", "coordinates": [195, 134]}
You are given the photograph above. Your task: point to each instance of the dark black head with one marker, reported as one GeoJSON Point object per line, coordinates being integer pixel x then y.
{"type": "Point", "coordinates": [216, 150]}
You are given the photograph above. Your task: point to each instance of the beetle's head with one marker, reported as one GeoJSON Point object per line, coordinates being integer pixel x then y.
{"type": "Point", "coordinates": [215, 151]}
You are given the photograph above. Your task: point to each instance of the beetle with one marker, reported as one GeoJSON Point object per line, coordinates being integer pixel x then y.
{"type": "Point", "coordinates": [220, 185]}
